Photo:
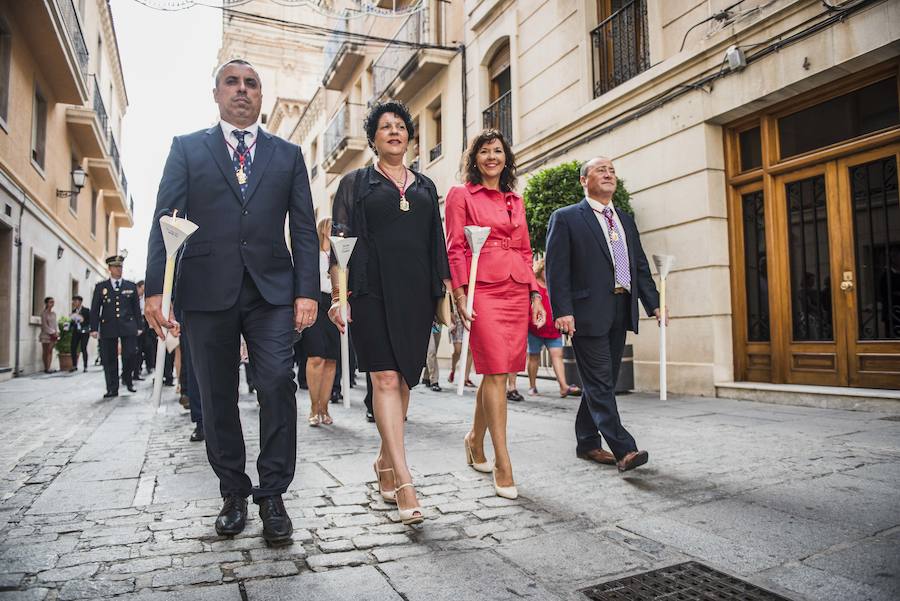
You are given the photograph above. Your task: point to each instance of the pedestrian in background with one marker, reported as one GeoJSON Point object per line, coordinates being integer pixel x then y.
{"type": "Point", "coordinates": [457, 329]}
{"type": "Point", "coordinates": [80, 327]}
{"type": "Point", "coordinates": [506, 292]}
{"type": "Point", "coordinates": [398, 272]}
{"type": "Point", "coordinates": [321, 341]}
{"type": "Point", "coordinates": [140, 355]}
{"type": "Point", "coordinates": [432, 377]}
{"type": "Point", "coordinates": [546, 336]}
{"type": "Point", "coordinates": [49, 333]}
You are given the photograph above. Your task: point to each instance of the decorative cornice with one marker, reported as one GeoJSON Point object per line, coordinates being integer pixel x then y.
{"type": "Point", "coordinates": [111, 45]}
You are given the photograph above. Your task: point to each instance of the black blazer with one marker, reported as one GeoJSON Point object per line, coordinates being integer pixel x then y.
{"type": "Point", "coordinates": [580, 273]}
{"type": "Point", "coordinates": [115, 314]}
{"type": "Point", "coordinates": [84, 326]}
{"type": "Point", "coordinates": [234, 233]}
{"type": "Point", "coordinates": [349, 220]}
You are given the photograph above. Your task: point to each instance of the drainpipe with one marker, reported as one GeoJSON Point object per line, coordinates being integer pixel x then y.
{"type": "Point", "coordinates": [17, 242]}
{"type": "Point", "coordinates": [465, 141]}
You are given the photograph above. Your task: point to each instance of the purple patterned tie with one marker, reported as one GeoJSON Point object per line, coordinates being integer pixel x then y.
{"type": "Point", "coordinates": [620, 253]}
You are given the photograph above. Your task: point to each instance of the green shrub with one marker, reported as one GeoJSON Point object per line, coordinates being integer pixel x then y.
{"type": "Point", "coordinates": [556, 187]}
{"type": "Point", "coordinates": [64, 343]}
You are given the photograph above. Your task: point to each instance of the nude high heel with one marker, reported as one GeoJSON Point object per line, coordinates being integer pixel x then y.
{"type": "Point", "coordinates": [484, 467]}
{"type": "Point", "coordinates": [507, 492]}
{"type": "Point", "coordinates": [389, 496]}
{"type": "Point", "coordinates": [410, 516]}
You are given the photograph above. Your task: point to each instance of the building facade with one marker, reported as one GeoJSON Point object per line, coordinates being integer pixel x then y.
{"type": "Point", "coordinates": [62, 99]}
{"type": "Point", "coordinates": [759, 141]}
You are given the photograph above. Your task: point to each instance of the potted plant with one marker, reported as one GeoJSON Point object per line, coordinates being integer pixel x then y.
{"type": "Point", "coordinates": [553, 188]}
{"type": "Point", "coordinates": [64, 344]}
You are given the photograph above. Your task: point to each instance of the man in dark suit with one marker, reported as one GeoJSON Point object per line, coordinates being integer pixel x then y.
{"type": "Point", "coordinates": [115, 311]}
{"type": "Point", "coordinates": [237, 276]}
{"type": "Point", "coordinates": [596, 271]}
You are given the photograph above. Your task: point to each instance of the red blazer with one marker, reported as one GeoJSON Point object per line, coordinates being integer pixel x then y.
{"type": "Point", "coordinates": [507, 251]}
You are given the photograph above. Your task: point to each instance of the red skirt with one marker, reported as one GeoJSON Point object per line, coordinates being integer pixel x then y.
{"type": "Point", "coordinates": [500, 330]}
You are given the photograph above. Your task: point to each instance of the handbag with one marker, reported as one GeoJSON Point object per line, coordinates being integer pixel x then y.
{"type": "Point", "coordinates": [442, 311]}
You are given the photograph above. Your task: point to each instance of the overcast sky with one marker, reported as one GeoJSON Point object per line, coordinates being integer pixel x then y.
{"type": "Point", "coordinates": [168, 59]}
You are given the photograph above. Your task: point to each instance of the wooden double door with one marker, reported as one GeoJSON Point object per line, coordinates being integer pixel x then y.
{"type": "Point", "coordinates": [821, 273]}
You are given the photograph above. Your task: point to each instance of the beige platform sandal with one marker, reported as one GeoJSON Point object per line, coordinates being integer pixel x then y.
{"type": "Point", "coordinates": [389, 496]}
{"type": "Point", "coordinates": [410, 516]}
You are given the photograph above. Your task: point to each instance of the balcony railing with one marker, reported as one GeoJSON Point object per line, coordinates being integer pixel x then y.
{"type": "Point", "coordinates": [124, 183]}
{"type": "Point", "coordinates": [621, 47]}
{"type": "Point", "coordinates": [314, 172]}
{"type": "Point", "coordinates": [396, 55]}
{"type": "Point", "coordinates": [499, 116]}
{"type": "Point", "coordinates": [76, 36]}
{"type": "Point", "coordinates": [347, 123]}
{"type": "Point", "coordinates": [100, 108]}
{"type": "Point", "coordinates": [434, 152]}
{"type": "Point", "coordinates": [114, 152]}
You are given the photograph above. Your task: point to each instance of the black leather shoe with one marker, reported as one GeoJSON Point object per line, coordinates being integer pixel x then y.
{"type": "Point", "coordinates": [131, 388]}
{"type": "Point", "coordinates": [336, 397]}
{"type": "Point", "coordinates": [370, 416]}
{"type": "Point", "coordinates": [110, 395]}
{"type": "Point", "coordinates": [197, 435]}
{"type": "Point", "coordinates": [137, 378]}
{"type": "Point", "coordinates": [168, 382]}
{"type": "Point", "coordinates": [233, 516]}
{"type": "Point", "coordinates": [277, 526]}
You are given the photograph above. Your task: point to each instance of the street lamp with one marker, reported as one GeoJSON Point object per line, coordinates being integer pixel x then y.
{"type": "Point", "coordinates": [78, 178]}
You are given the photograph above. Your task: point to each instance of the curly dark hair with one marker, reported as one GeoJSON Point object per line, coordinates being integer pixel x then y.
{"type": "Point", "coordinates": [380, 108]}
{"type": "Point", "coordinates": [470, 171]}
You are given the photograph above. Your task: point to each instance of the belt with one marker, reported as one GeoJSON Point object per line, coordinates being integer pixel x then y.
{"type": "Point", "coordinates": [620, 290]}
{"type": "Point", "coordinates": [504, 243]}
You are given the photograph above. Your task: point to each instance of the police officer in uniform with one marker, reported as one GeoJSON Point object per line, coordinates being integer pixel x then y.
{"type": "Point", "coordinates": [115, 314]}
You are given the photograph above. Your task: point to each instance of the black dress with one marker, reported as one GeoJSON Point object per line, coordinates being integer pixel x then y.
{"type": "Point", "coordinates": [403, 255]}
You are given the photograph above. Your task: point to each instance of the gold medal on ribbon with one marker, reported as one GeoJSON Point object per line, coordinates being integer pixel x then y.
{"type": "Point", "coordinates": [241, 176]}
{"type": "Point", "coordinates": [404, 204]}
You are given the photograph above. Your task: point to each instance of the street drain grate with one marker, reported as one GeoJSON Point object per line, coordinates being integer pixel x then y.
{"type": "Point", "coordinates": [689, 581]}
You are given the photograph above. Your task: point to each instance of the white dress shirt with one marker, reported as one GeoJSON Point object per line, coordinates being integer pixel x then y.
{"type": "Point", "coordinates": [228, 131]}
{"type": "Point", "coordinates": [116, 283]}
{"type": "Point", "coordinates": [324, 276]}
{"type": "Point", "coordinates": [598, 213]}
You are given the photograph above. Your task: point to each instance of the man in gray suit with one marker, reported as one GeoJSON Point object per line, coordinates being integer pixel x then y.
{"type": "Point", "coordinates": [237, 276]}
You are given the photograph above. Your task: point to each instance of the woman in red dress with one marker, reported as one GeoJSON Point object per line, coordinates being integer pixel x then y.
{"type": "Point", "coordinates": [505, 293]}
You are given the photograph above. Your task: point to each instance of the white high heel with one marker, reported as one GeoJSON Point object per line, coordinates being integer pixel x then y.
{"type": "Point", "coordinates": [485, 467]}
{"type": "Point", "coordinates": [410, 516]}
{"type": "Point", "coordinates": [389, 496]}
{"type": "Point", "coordinates": [507, 492]}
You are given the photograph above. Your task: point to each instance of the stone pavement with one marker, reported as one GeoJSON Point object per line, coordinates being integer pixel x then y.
{"type": "Point", "coordinates": [103, 499]}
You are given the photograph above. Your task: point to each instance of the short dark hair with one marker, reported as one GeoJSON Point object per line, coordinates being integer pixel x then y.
{"type": "Point", "coordinates": [48, 299]}
{"type": "Point", "coordinates": [470, 171]}
{"type": "Point", "coordinates": [234, 61]}
{"type": "Point", "coordinates": [77, 297]}
{"type": "Point", "coordinates": [380, 108]}
{"type": "Point", "coordinates": [140, 283]}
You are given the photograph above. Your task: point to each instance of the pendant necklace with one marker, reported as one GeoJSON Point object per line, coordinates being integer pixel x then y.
{"type": "Point", "coordinates": [242, 157]}
{"type": "Point", "coordinates": [401, 186]}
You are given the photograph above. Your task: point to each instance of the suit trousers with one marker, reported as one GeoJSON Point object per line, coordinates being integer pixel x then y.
{"type": "Point", "coordinates": [109, 356]}
{"type": "Point", "coordinates": [79, 347]}
{"type": "Point", "coordinates": [599, 359]}
{"type": "Point", "coordinates": [214, 338]}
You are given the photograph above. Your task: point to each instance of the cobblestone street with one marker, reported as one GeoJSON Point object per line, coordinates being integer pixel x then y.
{"type": "Point", "coordinates": [108, 499]}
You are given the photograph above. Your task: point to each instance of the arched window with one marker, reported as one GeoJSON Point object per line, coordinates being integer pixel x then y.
{"type": "Point", "coordinates": [498, 114]}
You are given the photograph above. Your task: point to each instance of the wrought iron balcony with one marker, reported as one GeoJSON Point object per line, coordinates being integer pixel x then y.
{"type": "Point", "coordinates": [398, 53]}
{"type": "Point", "coordinates": [342, 56]}
{"type": "Point", "coordinates": [499, 116]}
{"type": "Point", "coordinates": [434, 152]}
{"type": "Point", "coordinates": [621, 47]}
{"type": "Point", "coordinates": [76, 36]}
{"type": "Point", "coordinates": [344, 137]}
{"type": "Point", "coordinates": [100, 108]}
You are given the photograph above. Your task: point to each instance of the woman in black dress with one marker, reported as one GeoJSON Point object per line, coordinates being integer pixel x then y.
{"type": "Point", "coordinates": [398, 271]}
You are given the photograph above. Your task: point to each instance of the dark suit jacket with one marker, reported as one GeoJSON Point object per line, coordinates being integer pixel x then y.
{"type": "Point", "coordinates": [115, 314]}
{"type": "Point", "coordinates": [580, 274]}
{"type": "Point", "coordinates": [84, 326]}
{"type": "Point", "coordinates": [236, 233]}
